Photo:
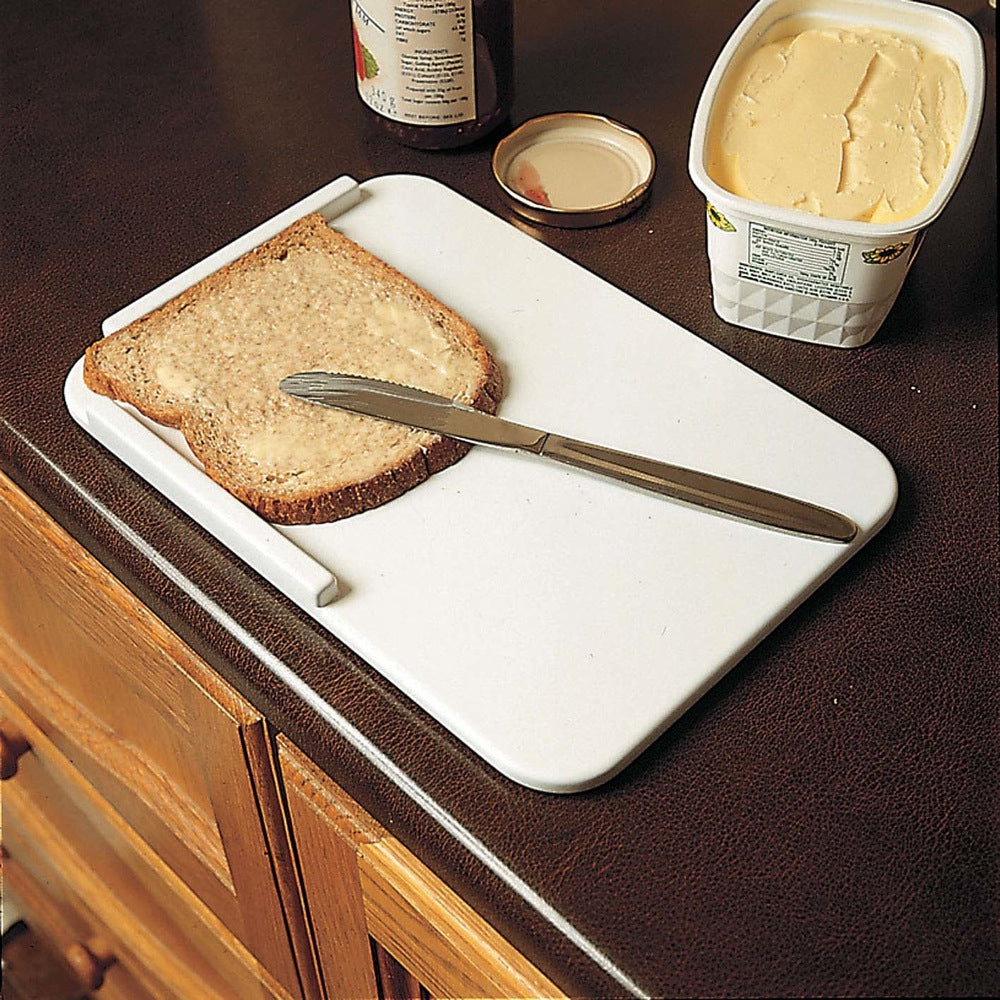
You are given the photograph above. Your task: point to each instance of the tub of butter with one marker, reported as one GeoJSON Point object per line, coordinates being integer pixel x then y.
{"type": "Point", "coordinates": [828, 136]}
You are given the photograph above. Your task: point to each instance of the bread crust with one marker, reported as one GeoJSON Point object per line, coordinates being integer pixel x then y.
{"type": "Point", "coordinates": [430, 452]}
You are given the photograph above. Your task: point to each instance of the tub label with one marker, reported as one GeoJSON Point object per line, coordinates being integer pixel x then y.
{"type": "Point", "coordinates": [796, 263]}
{"type": "Point", "coordinates": [718, 219]}
{"type": "Point", "coordinates": [884, 255]}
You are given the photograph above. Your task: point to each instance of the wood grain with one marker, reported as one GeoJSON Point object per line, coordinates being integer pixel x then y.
{"type": "Point", "coordinates": [437, 937]}
{"type": "Point", "coordinates": [330, 883]}
{"type": "Point", "coordinates": [395, 982]}
{"type": "Point", "coordinates": [34, 963]}
{"type": "Point", "coordinates": [68, 838]}
{"type": "Point", "coordinates": [174, 750]}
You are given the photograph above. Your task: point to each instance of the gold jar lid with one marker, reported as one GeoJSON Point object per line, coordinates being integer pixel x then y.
{"type": "Point", "coordinates": [574, 170]}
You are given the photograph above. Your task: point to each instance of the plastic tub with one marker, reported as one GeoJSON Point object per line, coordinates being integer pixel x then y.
{"type": "Point", "coordinates": [793, 274]}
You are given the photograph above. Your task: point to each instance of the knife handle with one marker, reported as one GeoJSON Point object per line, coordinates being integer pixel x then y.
{"type": "Point", "coordinates": [704, 490]}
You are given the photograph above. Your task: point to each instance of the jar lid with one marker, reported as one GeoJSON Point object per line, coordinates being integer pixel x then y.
{"type": "Point", "coordinates": [573, 169]}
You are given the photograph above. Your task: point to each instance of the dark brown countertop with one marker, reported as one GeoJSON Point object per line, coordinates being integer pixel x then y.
{"type": "Point", "coordinates": [825, 820]}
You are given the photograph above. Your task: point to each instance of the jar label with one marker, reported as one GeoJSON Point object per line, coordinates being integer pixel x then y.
{"type": "Point", "coordinates": [415, 59]}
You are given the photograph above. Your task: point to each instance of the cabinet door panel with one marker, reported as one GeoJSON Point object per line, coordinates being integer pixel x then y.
{"type": "Point", "coordinates": [444, 948]}
{"type": "Point", "coordinates": [60, 931]}
{"type": "Point", "coordinates": [336, 913]}
{"type": "Point", "coordinates": [94, 867]}
{"type": "Point", "coordinates": [176, 752]}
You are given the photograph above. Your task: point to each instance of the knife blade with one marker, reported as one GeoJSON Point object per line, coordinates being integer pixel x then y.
{"type": "Point", "coordinates": [431, 412]}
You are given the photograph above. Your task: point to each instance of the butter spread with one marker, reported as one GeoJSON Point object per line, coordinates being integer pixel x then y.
{"type": "Point", "coordinates": [226, 353]}
{"type": "Point", "coordinates": [854, 123]}
{"type": "Point", "coordinates": [176, 382]}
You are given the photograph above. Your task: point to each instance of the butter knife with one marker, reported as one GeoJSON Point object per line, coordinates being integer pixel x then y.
{"type": "Point", "coordinates": [427, 411]}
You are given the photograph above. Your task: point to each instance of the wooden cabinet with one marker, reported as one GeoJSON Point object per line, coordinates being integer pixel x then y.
{"type": "Point", "coordinates": [65, 843]}
{"type": "Point", "coordinates": [148, 778]}
{"type": "Point", "coordinates": [158, 832]}
{"type": "Point", "coordinates": [383, 924]}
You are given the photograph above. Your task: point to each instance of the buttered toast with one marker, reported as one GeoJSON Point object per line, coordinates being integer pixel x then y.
{"type": "Point", "coordinates": [209, 362]}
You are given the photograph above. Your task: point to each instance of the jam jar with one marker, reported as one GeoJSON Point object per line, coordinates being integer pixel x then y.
{"type": "Point", "coordinates": [435, 74]}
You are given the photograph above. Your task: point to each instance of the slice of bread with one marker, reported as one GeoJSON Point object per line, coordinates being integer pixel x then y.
{"type": "Point", "coordinates": [209, 363]}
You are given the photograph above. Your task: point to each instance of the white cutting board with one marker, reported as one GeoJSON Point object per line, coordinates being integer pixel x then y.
{"type": "Point", "coordinates": [554, 622]}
